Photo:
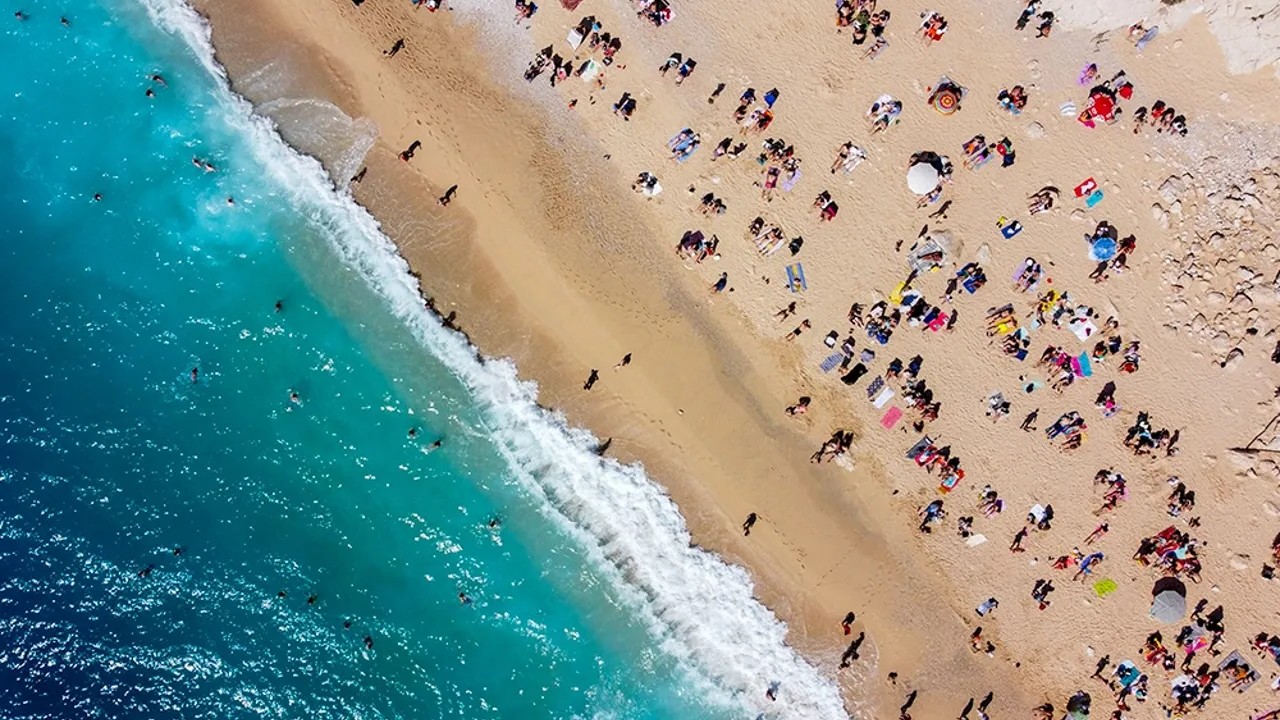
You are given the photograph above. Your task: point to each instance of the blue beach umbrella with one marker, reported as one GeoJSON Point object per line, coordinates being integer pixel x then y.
{"type": "Point", "coordinates": [1104, 248]}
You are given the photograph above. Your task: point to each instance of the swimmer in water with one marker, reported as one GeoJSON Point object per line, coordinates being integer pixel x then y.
{"type": "Point", "coordinates": [346, 624]}
{"type": "Point", "coordinates": [282, 594]}
{"type": "Point", "coordinates": [231, 201]}
{"type": "Point", "coordinates": [65, 22]}
{"type": "Point", "coordinates": [413, 433]}
{"type": "Point", "coordinates": [209, 167]}
{"type": "Point", "coordinates": [464, 598]}
{"type": "Point", "coordinates": [150, 93]}
{"type": "Point", "coordinates": [279, 306]}
{"type": "Point", "coordinates": [495, 522]}
{"type": "Point", "coordinates": [179, 550]}
{"type": "Point", "coordinates": [311, 599]}
{"type": "Point", "coordinates": [146, 571]}
{"type": "Point", "coordinates": [20, 15]}
{"type": "Point", "coordinates": [97, 197]}
{"type": "Point", "coordinates": [195, 374]}
{"type": "Point", "coordinates": [159, 80]}
{"type": "Point", "coordinates": [368, 642]}
{"type": "Point", "coordinates": [197, 162]}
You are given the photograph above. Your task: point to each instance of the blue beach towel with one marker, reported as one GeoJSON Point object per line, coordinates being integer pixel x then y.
{"type": "Point", "coordinates": [795, 278]}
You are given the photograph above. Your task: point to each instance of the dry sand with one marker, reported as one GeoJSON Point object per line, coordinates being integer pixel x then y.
{"type": "Point", "coordinates": [550, 259]}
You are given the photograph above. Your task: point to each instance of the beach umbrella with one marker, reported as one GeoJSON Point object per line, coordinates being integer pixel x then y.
{"type": "Point", "coordinates": [1103, 105]}
{"type": "Point", "coordinates": [1104, 248]}
{"type": "Point", "coordinates": [922, 178]}
{"type": "Point", "coordinates": [1168, 600]}
{"type": "Point", "coordinates": [946, 101]}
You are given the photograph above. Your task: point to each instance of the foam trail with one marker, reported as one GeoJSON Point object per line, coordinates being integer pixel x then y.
{"type": "Point", "coordinates": [700, 609]}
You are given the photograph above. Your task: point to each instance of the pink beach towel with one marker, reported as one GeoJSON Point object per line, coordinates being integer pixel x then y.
{"type": "Point", "coordinates": [891, 418]}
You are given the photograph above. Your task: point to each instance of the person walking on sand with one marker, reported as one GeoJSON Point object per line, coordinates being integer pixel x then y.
{"type": "Point", "coordinates": [749, 523]}
{"type": "Point", "coordinates": [1016, 545]}
{"type": "Point", "coordinates": [1102, 665]}
{"type": "Point", "coordinates": [407, 155]}
{"type": "Point", "coordinates": [626, 360]}
{"type": "Point", "coordinates": [911, 700]}
{"type": "Point", "coordinates": [591, 379]}
{"type": "Point", "coordinates": [395, 49]}
{"type": "Point", "coordinates": [447, 197]}
{"type": "Point", "coordinates": [968, 707]}
{"type": "Point", "coordinates": [721, 284]}
{"type": "Point", "coordinates": [851, 653]}
{"type": "Point", "coordinates": [1029, 422]}
{"type": "Point", "coordinates": [847, 623]}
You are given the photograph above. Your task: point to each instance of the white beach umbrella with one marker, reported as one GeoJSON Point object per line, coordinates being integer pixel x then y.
{"type": "Point", "coordinates": [922, 178]}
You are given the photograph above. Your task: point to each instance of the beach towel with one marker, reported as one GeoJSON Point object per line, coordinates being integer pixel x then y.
{"type": "Point", "coordinates": [938, 322]}
{"type": "Point", "coordinates": [975, 540]}
{"type": "Point", "coordinates": [1094, 198]}
{"type": "Point", "coordinates": [1086, 188]}
{"type": "Point", "coordinates": [1104, 587]}
{"type": "Point", "coordinates": [883, 398]}
{"type": "Point", "coordinates": [831, 362]}
{"type": "Point", "coordinates": [795, 278]}
{"type": "Point", "coordinates": [592, 69]}
{"type": "Point", "coordinates": [920, 445]}
{"type": "Point", "coordinates": [1083, 329]}
{"type": "Point", "coordinates": [791, 181]}
{"type": "Point", "coordinates": [1240, 661]}
{"type": "Point", "coordinates": [876, 385]}
{"type": "Point", "coordinates": [1021, 354]}
{"type": "Point", "coordinates": [1147, 37]}
{"type": "Point", "coordinates": [1127, 673]}
{"type": "Point", "coordinates": [1083, 366]}
{"type": "Point", "coordinates": [1067, 109]}
{"type": "Point", "coordinates": [1009, 229]}
{"type": "Point", "coordinates": [574, 38]}
{"type": "Point", "coordinates": [1018, 273]}
{"type": "Point", "coordinates": [891, 418]}
{"type": "Point", "coordinates": [854, 375]}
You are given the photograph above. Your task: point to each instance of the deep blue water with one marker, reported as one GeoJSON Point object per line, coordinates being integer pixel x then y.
{"type": "Point", "coordinates": [585, 602]}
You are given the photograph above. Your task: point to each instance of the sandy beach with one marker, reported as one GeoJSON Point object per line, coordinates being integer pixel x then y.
{"type": "Point", "coordinates": [550, 258]}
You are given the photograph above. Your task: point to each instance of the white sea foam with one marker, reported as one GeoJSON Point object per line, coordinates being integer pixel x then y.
{"type": "Point", "coordinates": [700, 609]}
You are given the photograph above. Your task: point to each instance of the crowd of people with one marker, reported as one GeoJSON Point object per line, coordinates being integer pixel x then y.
{"type": "Point", "coordinates": [1011, 327]}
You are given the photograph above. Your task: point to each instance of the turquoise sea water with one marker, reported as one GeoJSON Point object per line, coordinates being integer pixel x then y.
{"type": "Point", "coordinates": [587, 600]}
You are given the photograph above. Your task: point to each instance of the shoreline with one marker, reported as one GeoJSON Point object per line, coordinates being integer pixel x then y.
{"type": "Point", "coordinates": [630, 298]}
{"type": "Point", "coordinates": [774, 568]}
